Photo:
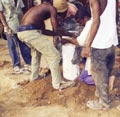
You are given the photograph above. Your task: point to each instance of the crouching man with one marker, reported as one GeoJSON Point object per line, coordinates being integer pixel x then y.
{"type": "Point", "coordinates": [32, 32]}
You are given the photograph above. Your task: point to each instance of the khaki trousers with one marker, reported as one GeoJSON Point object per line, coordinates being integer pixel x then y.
{"type": "Point", "coordinates": [40, 44]}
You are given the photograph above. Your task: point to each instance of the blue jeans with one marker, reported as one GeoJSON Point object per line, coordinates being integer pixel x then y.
{"type": "Point", "coordinates": [13, 45]}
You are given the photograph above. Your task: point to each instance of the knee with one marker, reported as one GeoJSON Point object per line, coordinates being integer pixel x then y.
{"type": "Point", "coordinates": [57, 57]}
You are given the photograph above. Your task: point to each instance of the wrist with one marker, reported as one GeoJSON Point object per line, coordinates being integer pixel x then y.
{"type": "Point", "coordinates": [6, 27]}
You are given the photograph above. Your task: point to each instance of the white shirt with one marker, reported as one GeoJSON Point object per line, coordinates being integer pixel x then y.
{"type": "Point", "coordinates": [107, 32]}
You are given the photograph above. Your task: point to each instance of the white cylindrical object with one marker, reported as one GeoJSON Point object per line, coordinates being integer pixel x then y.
{"type": "Point", "coordinates": [70, 71]}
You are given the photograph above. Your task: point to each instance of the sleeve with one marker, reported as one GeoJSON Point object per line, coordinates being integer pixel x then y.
{"type": "Point", "coordinates": [21, 4]}
{"type": "Point", "coordinates": [82, 38]}
{"type": "Point", "coordinates": [1, 6]}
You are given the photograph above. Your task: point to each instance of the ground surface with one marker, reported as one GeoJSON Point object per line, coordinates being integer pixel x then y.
{"type": "Point", "coordinates": [39, 99]}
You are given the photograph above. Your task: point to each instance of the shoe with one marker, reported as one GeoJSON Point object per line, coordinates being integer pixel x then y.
{"type": "Point", "coordinates": [64, 85]}
{"type": "Point", "coordinates": [17, 70]}
{"type": "Point", "coordinates": [67, 84]}
{"type": "Point", "coordinates": [117, 96]}
{"type": "Point", "coordinates": [26, 69]}
{"type": "Point", "coordinates": [96, 105]}
{"type": "Point", "coordinates": [38, 78]}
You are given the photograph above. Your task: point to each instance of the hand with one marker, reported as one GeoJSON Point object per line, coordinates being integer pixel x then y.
{"type": "Point", "coordinates": [64, 41]}
{"type": "Point", "coordinates": [86, 51]}
{"type": "Point", "coordinates": [7, 30]}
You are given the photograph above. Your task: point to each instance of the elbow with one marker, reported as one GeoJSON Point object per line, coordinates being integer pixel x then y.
{"type": "Point", "coordinates": [96, 22]}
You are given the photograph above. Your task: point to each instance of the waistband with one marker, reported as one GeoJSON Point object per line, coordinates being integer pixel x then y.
{"type": "Point", "coordinates": [27, 27]}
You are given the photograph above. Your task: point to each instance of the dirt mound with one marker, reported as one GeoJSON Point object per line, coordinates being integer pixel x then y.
{"type": "Point", "coordinates": [39, 99]}
{"type": "Point", "coordinates": [40, 92]}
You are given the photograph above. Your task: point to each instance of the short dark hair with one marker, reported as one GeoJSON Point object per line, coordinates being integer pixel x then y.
{"type": "Point", "coordinates": [51, 1]}
{"type": "Point", "coordinates": [81, 13]}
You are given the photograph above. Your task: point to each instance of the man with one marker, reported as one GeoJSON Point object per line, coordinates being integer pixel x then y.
{"type": "Point", "coordinates": [32, 32]}
{"type": "Point", "coordinates": [101, 42]}
{"type": "Point", "coordinates": [10, 16]}
{"type": "Point", "coordinates": [100, 46]}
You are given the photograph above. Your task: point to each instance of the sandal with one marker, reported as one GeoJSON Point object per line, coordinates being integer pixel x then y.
{"type": "Point", "coordinates": [17, 70]}
{"type": "Point", "coordinates": [96, 105]}
{"type": "Point", "coordinates": [26, 69]}
{"type": "Point", "coordinates": [67, 84]}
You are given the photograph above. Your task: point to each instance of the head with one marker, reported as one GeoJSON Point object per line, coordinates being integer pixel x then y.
{"type": "Point", "coordinates": [60, 5]}
{"type": "Point", "coordinates": [82, 16]}
{"type": "Point", "coordinates": [62, 15]}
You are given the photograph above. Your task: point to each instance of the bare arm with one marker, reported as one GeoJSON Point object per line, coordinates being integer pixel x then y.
{"type": "Point", "coordinates": [53, 18]}
{"type": "Point", "coordinates": [95, 6]}
{"type": "Point", "coordinates": [2, 18]}
{"type": "Point", "coordinates": [96, 20]}
{"type": "Point", "coordinates": [4, 23]}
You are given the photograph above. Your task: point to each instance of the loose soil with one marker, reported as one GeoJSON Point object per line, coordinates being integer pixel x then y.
{"type": "Point", "coordinates": [39, 99]}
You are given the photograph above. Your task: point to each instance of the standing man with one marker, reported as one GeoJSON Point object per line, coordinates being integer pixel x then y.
{"type": "Point", "coordinates": [10, 16]}
{"type": "Point", "coordinates": [101, 48]}
{"type": "Point", "coordinates": [100, 44]}
{"type": "Point", "coordinates": [32, 32]}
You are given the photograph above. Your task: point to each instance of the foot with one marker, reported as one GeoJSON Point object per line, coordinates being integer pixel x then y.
{"type": "Point", "coordinates": [26, 69]}
{"type": "Point", "coordinates": [117, 96]}
{"type": "Point", "coordinates": [96, 105]}
{"type": "Point", "coordinates": [65, 84]}
{"type": "Point", "coordinates": [38, 78]}
{"type": "Point", "coordinates": [17, 70]}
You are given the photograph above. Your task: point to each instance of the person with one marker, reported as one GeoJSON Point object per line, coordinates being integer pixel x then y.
{"type": "Point", "coordinates": [28, 4]}
{"type": "Point", "coordinates": [32, 32]}
{"type": "Point", "coordinates": [44, 67]}
{"type": "Point", "coordinates": [10, 16]}
{"type": "Point", "coordinates": [118, 26]}
{"type": "Point", "coordinates": [100, 46]}
{"type": "Point", "coordinates": [62, 5]}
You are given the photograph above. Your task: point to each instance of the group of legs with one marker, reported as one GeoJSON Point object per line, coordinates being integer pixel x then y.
{"type": "Point", "coordinates": [16, 47]}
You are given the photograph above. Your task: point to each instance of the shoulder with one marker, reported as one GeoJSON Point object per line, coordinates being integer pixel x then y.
{"type": "Point", "coordinates": [51, 8]}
